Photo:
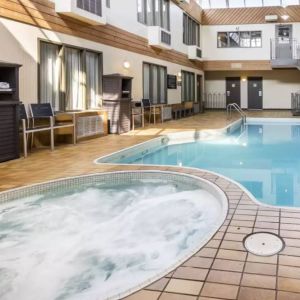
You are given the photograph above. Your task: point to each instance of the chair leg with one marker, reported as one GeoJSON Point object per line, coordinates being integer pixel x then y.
{"type": "Point", "coordinates": [74, 130]}
{"type": "Point", "coordinates": [132, 120]}
{"type": "Point", "coordinates": [52, 134]}
{"type": "Point", "coordinates": [24, 138]}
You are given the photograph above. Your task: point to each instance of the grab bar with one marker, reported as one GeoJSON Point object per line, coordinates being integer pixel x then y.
{"type": "Point", "coordinates": [238, 109]}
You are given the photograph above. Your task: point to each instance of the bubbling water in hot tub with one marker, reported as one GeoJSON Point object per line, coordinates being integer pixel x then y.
{"type": "Point", "coordinates": [97, 242]}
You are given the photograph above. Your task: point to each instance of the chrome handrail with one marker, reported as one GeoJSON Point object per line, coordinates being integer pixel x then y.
{"type": "Point", "coordinates": [235, 106]}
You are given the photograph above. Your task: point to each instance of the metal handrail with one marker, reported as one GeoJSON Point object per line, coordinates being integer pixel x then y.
{"type": "Point", "coordinates": [235, 106]}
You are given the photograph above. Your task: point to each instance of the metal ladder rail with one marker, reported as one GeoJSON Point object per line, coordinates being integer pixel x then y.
{"type": "Point", "coordinates": [238, 109]}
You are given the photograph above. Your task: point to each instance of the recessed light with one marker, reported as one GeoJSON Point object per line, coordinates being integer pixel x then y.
{"type": "Point", "coordinates": [285, 17]}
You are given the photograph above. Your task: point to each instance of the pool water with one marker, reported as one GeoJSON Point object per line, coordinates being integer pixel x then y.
{"type": "Point", "coordinates": [262, 156]}
{"type": "Point", "coordinates": [95, 242]}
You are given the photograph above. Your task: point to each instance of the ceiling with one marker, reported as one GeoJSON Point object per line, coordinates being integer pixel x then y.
{"type": "Point", "coordinates": [208, 4]}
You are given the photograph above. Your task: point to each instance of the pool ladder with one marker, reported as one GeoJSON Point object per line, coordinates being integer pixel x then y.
{"type": "Point", "coordinates": [236, 107]}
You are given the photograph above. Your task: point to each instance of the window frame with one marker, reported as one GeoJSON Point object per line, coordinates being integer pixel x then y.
{"type": "Point", "coordinates": [62, 46]}
{"type": "Point", "coordinates": [157, 18]}
{"type": "Point", "coordinates": [191, 31]}
{"type": "Point", "coordinates": [250, 32]}
{"type": "Point", "coordinates": [158, 82]}
{"type": "Point", "coordinates": [193, 95]}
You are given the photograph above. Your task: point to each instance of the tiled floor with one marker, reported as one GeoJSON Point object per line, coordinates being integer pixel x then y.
{"type": "Point", "coordinates": [223, 269]}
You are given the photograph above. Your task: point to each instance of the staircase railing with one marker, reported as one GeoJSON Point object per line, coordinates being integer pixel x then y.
{"type": "Point", "coordinates": [234, 106]}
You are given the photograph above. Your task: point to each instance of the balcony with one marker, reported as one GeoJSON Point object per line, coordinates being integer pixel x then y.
{"type": "Point", "coordinates": [194, 53]}
{"type": "Point", "coordinates": [285, 53]}
{"type": "Point", "coordinates": [88, 11]}
{"type": "Point", "coordinates": [159, 37]}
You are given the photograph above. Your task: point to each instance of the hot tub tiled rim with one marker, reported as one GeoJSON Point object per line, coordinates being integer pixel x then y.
{"type": "Point", "coordinates": [123, 177]}
{"type": "Point", "coordinates": [237, 197]}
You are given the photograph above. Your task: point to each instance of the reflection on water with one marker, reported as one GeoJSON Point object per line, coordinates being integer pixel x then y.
{"type": "Point", "coordinates": [265, 158]}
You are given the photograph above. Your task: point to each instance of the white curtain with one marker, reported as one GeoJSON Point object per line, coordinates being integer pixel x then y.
{"type": "Point", "coordinates": [163, 90]}
{"type": "Point", "coordinates": [93, 75]}
{"type": "Point", "coordinates": [146, 79]}
{"type": "Point", "coordinates": [74, 80]}
{"type": "Point", "coordinates": [49, 74]}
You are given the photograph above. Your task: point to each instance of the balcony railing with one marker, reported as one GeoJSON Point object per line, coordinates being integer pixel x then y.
{"type": "Point", "coordinates": [285, 53]}
{"type": "Point", "coordinates": [285, 49]}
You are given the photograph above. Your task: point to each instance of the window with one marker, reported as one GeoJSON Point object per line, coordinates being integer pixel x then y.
{"type": "Point", "coordinates": [187, 86]}
{"type": "Point", "coordinates": [240, 39]}
{"type": "Point", "coordinates": [108, 3]}
{"type": "Point", "coordinates": [92, 6]}
{"type": "Point", "coordinates": [155, 83]}
{"type": "Point", "coordinates": [191, 31]}
{"type": "Point", "coordinates": [154, 13]}
{"type": "Point", "coordinates": [69, 78]}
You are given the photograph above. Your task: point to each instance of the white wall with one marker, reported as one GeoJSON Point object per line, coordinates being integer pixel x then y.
{"type": "Point", "coordinates": [123, 14]}
{"type": "Point", "coordinates": [21, 46]}
{"type": "Point", "coordinates": [212, 52]}
{"type": "Point", "coordinates": [277, 86]}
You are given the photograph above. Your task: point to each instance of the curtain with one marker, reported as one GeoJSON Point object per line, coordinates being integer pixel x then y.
{"type": "Point", "coordinates": [49, 74]}
{"type": "Point", "coordinates": [154, 83]}
{"type": "Point", "coordinates": [162, 85]}
{"type": "Point", "coordinates": [154, 77]}
{"type": "Point", "coordinates": [188, 86]}
{"type": "Point", "coordinates": [74, 79]}
{"type": "Point", "coordinates": [146, 81]}
{"type": "Point", "coordinates": [93, 82]}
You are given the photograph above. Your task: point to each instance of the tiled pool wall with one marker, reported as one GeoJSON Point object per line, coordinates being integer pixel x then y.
{"type": "Point", "coordinates": [169, 139]}
{"type": "Point", "coordinates": [104, 179]}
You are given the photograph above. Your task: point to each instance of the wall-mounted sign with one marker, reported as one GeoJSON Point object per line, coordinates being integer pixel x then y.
{"type": "Point", "coordinates": [172, 82]}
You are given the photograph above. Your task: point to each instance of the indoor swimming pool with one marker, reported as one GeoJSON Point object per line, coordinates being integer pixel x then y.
{"type": "Point", "coordinates": [263, 156]}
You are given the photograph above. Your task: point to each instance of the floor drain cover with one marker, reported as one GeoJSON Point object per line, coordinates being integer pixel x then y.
{"type": "Point", "coordinates": [263, 243]}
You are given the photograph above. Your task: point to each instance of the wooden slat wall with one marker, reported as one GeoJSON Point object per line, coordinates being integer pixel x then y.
{"type": "Point", "coordinates": [243, 65]}
{"type": "Point", "coordinates": [41, 13]}
{"type": "Point", "coordinates": [251, 15]}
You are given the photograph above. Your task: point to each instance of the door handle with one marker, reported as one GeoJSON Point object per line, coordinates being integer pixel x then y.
{"type": "Point", "coordinates": [228, 93]}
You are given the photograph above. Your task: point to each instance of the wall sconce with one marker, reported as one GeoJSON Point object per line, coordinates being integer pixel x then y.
{"type": "Point", "coordinates": [126, 65]}
{"type": "Point", "coordinates": [244, 79]}
{"type": "Point", "coordinates": [179, 78]}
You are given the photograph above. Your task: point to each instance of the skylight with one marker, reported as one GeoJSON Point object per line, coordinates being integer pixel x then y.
{"type": "Point", "coordinates": [206, 4]}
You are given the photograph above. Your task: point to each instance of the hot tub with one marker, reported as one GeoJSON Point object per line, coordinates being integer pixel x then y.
{"type": "Point", "coordinates": [102, 236]}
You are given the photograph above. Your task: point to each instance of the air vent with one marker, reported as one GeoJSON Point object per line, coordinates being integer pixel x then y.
{"type": "Point", "coordinates": [199, 53]}
{"type": "Point", "coordinates": [194, 53]}
{"type": "Point", "coordinates": [88, 11]}
{"type": "Point", "coordinates": [158, 37]}
{"type": "Point", "coordinates": [91, 6]}
{"type": "Point", "coordinates": [165, 37]}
